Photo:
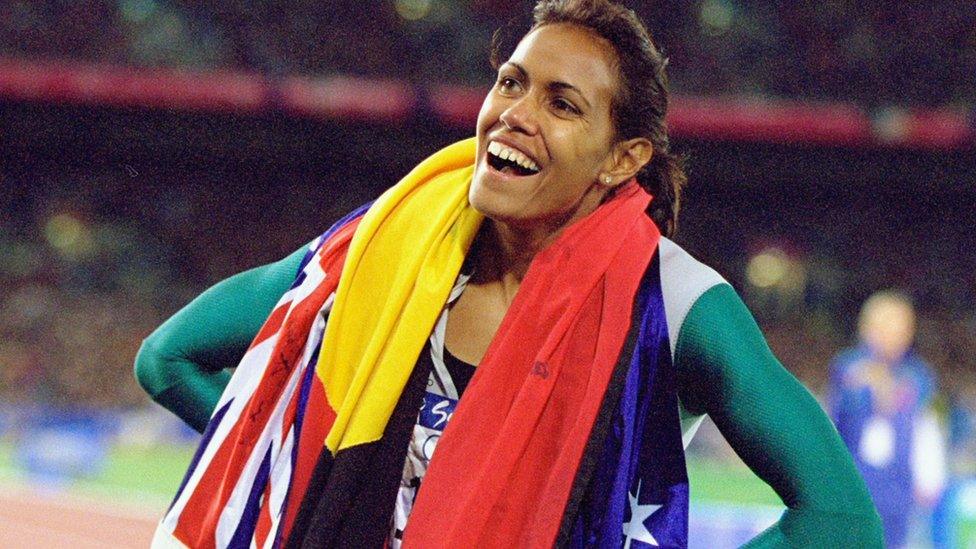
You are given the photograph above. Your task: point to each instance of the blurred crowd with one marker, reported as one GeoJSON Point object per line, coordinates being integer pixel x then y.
{"type": "Point", "coordinates": [91, 262]}
{"type": "Point", "coordinates": [874, 53]}
{"type": "Point", "coordinates": [77, 295]}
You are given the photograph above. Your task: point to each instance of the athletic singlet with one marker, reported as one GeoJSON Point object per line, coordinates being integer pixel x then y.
{"type": "Point", "coordinates": [448, 378]}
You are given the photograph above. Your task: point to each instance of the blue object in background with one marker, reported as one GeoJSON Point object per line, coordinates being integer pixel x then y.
{"type": "Point", "coordinates": [876, 405]}
{"type": "Point", "coordinates": [954, 518]}
{"type": "Point", "coordinates": [56, 446]}
{"type": "Point", "coordinates": [727, 526]}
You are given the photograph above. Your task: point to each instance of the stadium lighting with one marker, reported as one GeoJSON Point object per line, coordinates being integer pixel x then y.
{"type": "Point", "coordinates": [715, 17]}
{"type": "Point", "coordinates": [412, 10]}
{"type": "Point", "coordinates": [767, 268]}
{"type": "Point", "coordinates": [137, 11]}
{"type": "Point", "coordinates": [68, 235]}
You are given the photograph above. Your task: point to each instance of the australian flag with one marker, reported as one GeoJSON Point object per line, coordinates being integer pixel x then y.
{"type": "Point", "coordinates": [638, 494]}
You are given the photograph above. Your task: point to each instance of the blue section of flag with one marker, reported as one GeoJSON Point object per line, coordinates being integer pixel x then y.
{"type": "Point", "coordinates": [643, 448]}
{"type": "Point", "coordinates": [249, 517]}
{"type": "Point", "coordinates": [208, 434]}
{"type": "Point", "coordinates": [325, 236]}
{"type": "Point", "coordinates": [436, 411]}
{"type": "Point", "coordinates": [303, 393]}
{"type": "Point", "coordinates": [302, 405]}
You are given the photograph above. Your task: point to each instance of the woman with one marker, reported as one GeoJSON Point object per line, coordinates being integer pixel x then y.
{"type": "Point", "coordinates": [536, 282]}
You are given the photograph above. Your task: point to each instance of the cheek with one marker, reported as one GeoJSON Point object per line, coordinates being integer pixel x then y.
{"type": "Point", "coordinates": [580, 158]}
{"type": "Point", "coordinates": [482, 127]}
{"type": "Point", "coordinates": [487, 116]}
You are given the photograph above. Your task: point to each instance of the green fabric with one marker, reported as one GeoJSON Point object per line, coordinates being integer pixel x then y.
{"type": "Point", "coordinates": [725, 369]}
{"type": "Point", "coordinates": [182, 365]}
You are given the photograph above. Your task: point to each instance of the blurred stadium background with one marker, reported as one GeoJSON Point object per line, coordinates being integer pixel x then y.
{"type": "Point", "coordinates": [149, 148]}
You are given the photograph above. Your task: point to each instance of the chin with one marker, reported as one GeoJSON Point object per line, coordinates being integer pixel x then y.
{"type": "Point", "coordinates": [496, 200]}
{"type": "Point", "coordinates": [486, 202]}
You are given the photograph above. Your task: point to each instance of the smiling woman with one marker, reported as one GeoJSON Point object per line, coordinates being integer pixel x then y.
{"type": "Point", "coordinates": [521, 289]}
{"type": "Point", "coordinates": [555, 111]}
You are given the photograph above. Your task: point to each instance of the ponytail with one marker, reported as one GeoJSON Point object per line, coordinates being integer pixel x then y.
{"type": "Point", "coordinates": [664, 178]}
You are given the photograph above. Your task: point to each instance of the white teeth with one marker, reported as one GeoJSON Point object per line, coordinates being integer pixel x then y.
{"type": "Point", "coordinates": [511, 155]}
{"type": "Point", "coordinates": [519, 159]}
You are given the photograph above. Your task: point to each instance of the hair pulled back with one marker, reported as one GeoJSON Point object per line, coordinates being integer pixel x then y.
{"type": "Point", "coordinates": [641, 102]}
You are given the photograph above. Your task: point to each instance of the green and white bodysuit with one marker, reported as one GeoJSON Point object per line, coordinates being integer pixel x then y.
{"type": "Point", "coordinates": [724, 368]}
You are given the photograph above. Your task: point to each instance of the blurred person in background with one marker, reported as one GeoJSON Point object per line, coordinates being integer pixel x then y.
{"type": "Point", "coordinates": [881, 396]}
{"type": "Point", "coordinates": [528, 269]}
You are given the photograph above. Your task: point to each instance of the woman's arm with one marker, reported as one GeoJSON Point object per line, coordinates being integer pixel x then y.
{"type": "Point", "coordinates": [725, 369]}
{"type": "Point", "coordinates": [182, 365]}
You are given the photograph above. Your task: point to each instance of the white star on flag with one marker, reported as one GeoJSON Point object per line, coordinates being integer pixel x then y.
{"type": "Point", "coordinates": [635, 529]}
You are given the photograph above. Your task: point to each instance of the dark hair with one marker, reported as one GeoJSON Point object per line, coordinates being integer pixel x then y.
{"type": "Point", "coordinates": [641, 101]}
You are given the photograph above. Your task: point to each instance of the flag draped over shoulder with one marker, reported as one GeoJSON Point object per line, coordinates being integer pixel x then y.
{"type": "Point", "coordinates": [307, 443]}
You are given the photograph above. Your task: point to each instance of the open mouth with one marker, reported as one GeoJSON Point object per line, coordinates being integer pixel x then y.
{"type": "Point", "coordinates": [510, 161]}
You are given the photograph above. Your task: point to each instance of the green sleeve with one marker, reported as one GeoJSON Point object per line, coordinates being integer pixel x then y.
{"type": "Point", "coordinates": [725, 369]}
{"type": "Point", "coordinates": [182, 365]}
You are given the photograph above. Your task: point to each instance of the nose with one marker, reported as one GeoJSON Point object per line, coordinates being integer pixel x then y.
{"type": "Point", "coordinates": [520, 116]}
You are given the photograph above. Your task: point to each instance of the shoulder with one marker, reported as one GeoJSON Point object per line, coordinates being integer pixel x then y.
{"type": "Point", "coordinates": [684, 280]}
{"type": "Point", "coordinates": [847, 358]}
{"type": "Point", "coordinates": [920, 365]}
{"type": "Point", "coordinates": [923, 374]}
{"type": "Point", "coordinates": [845, 366]}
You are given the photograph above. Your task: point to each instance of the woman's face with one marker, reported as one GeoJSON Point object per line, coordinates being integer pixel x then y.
{"type": "Point", "coordinates": [545, 132]}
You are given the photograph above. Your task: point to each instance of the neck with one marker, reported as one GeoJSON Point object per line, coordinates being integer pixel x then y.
{"type": "Point", "coordinates": [887, 356]}
{"type": "Point", "coordinates": [504, 253]}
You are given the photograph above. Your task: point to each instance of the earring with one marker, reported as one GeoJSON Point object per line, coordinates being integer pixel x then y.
{"type": "Point", "coordinates": [607, 180]}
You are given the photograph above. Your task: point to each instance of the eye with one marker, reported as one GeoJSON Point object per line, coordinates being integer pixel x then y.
{"type": "Point", "coordinates": [508, 85]}
{"type": "Point", "coordinates": [561, 104]}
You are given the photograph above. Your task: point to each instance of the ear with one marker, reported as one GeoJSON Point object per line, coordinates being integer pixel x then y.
{"type": "Point", "coordinates": [626, 159]}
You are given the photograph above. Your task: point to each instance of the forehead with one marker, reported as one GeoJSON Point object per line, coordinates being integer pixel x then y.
{"type": "Point", "coordinates": [570, 54]}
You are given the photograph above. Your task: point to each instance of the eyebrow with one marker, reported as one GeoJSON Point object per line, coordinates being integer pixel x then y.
{"type": "Point", "coordinates": [557, 85]}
